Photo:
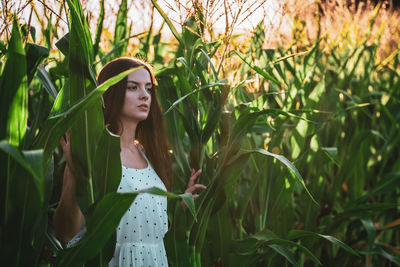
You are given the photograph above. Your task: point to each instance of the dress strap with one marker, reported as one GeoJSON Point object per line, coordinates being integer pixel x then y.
{"type": "Point", "coordinates": [140, 148]}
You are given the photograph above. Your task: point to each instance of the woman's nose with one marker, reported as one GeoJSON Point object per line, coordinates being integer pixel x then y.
{"type": "Point", "coordinates": [144, 94]}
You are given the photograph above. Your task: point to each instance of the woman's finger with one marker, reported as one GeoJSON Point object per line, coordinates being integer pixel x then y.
{"type": "Point", "coordinates": [65, 143]}
{"type": "Point", "coordinates": [194, 176]}
{"type": "Point", "coordinates": [191, 181]}
{"type": "Point", "coordinates": [65, 140]}
{"type": "Point", "coordinates": [67, 135]}
{"type": "Point", "coordinates": [200, 186]}
{"type": "Point", "coordinates": [195, 196]}
{"type": "Point", "coordinates": [62, 142]}
{"type": "Point", "coordinates": [195, 187]}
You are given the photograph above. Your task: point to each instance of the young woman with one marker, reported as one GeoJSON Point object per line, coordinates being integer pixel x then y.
{"type": "Point", "coordinates": [131, 110]}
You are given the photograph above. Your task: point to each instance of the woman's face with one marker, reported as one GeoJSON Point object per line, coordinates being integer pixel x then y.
{"type": "Point", "coordinates": [137, 96]}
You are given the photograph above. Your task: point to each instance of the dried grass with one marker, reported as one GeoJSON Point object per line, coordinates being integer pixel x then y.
{"type": "Point", "coordinates": [343, 23]}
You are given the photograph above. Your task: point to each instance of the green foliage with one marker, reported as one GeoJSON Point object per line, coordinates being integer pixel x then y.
{"type": "Point", "coordinates": [300, 155]}
{"type": "Point", "coordinates": [121, 29]}
{"type": "Point", "coordinates": [86, 130]}
{"type": "Point", "coordinates": [99, 29]}
{"type": "Point", "coordinates": [14, 91]}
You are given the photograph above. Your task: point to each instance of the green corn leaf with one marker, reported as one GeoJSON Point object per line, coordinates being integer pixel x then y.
{"type": "Point", "coordinates": [380, 250]}
{"type": "Point", "coordinates": [222, 230]}
{"type": "Point", "coordinates": [190, 34]}
{"type": "Point", "coordinates": [198, 230]}
{"type": "Point", "coordinates": [208, 206]}
{"type": "Point", "coordinates": [246, 121]}
{"type": "Point", "coordinates": [24, 207]}
{"type": "Point", "coordinates": [56, 125]}
{"type": "Point", "coordinates": [213, 117]}
{"type": "Point", "coordinates": [48, 32]}
{"type": "Point", "coordinates": [231, 172]}
{"type": "Point", "coordinates": [87, 128]}
{"type": "Point", "coordinates": [296, 234]}
{"type": "Point", "coordinates": [268, 238]}
{"type": "Point", "coordinates": [389, 183]}
{"type": "Point", "coordinates": [257, 40]}
{"type": "Point", "coordinates": [14, 92]}
{"type": "Point", "coordinates": [378, 134]}
{"type": "Point", "coordinates": [62, 101]}
{"type": "Point", "coordinates": [35, 159]}
{"type": "Point", "coordinates": [121, 28]}
{"type": "Point", "coordinates": [186, 197]}
{"type": "Point", "coordinates": [31, 161]}
{"type": "Point", "coordinates": [192, 93]}
{"type": "Point", "coordinates": [289, 165]}
{"type": "Point", "coordinates": [371, 231]}
{"type": "Point", "coordinates": [246, 246]}
{"type": "Point", "coordinates": [77, 12]}
{"type": "Point", "coordinates": [168, 21]}
{"type": "Point", "coordinates": [80, 50]}
{"type": "Point", "coordinates": [311, 56]}
{"type": "Point", "coordinates": [63, 44]}
{"type": "Point", "coordinates": [332, 154]}
{"type": "Point", "coordinates": [48, 85]}
{"type": "Point", "coordinates": [362, 211]}
{"type": "Point", "coordinates": [271, 239]}
{"type": "Point", "coordinates": [145, 42]}
{"type": "Point", "coordinates": [260, 71]}
{"type": "Point", "coordinates": [175, 240]}
{"type": "Point", "coordinates": [35, 54]}
{"type": "Point", "coordinates": [99, 29]}
{"type": "Point", "coordinates": [173, 124]}
{"type": "Point", "coordinates": [282, 250]}
{"type": "Point", "coordinates": [107, 164]}
{"type": "Point", "coordinates": [100, 227]}
{"type": "Point", "coordinates": [184, 69]}
{"type": "Point", "coordinates": [339, 243]}
{"type": "Point", "coordinates": [210, 62]}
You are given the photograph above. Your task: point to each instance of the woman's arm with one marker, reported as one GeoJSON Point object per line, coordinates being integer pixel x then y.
{"type": "Point", "coordinates": [68, 218]}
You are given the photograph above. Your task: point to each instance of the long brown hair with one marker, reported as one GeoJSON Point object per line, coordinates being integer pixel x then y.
{"type": "Point", "coordinates": [151, 132]}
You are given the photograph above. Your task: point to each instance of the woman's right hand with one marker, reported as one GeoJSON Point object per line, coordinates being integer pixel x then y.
{"type": "Point", "coordinates": [66, 147]}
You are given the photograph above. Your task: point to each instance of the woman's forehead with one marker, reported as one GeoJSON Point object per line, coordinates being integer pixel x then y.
{"type": "Point", "coordinates": [140, 76]}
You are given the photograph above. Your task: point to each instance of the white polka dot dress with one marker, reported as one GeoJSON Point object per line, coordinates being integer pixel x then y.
{"type": "Point", "coordinates": [141, 230]}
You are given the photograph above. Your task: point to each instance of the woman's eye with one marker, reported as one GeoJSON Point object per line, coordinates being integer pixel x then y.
{"type": "Point", "coordinates": [149, 89]}
{"type": "Point", "coordinates": [133, 87]}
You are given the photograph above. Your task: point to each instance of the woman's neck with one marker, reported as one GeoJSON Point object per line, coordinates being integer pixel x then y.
{"type": "Point", "coordinates": [127, 134]}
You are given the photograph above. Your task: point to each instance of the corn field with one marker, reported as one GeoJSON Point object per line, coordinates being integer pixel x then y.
{"type": "Point", "coordinates": [298, 145]}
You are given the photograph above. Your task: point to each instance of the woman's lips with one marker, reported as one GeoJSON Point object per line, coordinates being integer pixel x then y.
{"type": "Point", "coordinates": [143, 106]}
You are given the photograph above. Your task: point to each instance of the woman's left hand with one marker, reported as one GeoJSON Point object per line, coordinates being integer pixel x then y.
{"type": "Point", "coordinates": [192, 187]}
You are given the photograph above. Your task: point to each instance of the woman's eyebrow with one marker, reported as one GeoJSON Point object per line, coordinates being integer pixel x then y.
{"type": "Point", "coordinates": [135, 82]}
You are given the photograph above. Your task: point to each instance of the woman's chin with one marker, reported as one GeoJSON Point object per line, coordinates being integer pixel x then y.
{"type": "Point", "coordinates": [142, 118]}
{"type": "Point", "coordinates": [137, 117]}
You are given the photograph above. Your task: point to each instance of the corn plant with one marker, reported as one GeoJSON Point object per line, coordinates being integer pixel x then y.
{"type": "Point", "coordinates": [337, 96]}
{"type": "Point", "coordinates": [213, 137]}
{"type": "Point", "coordinates": [299, 155]}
